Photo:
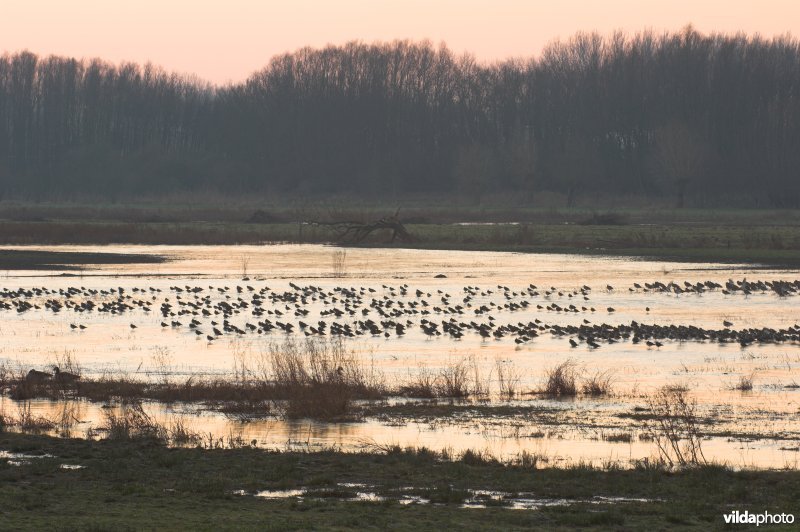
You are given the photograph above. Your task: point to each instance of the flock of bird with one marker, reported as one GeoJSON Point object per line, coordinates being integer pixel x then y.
{"type": "Point", "coordinates": [213, 312]}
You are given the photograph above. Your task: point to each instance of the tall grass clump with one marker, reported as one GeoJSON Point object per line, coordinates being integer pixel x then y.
{"type": "Point", "coordinates": [454, 380]}
{"type": "Point", "coordinates": [320, 378]}
{"type": "Point", "coordinates": [133, 423]}
{"type": "Point", "coordinates": [745, 383]}
{"type": "Point", "coordinates": [598, 384]}
{"type": "Point", "coordinates": [422, 385]}
{"type": "Point", "coordinates": [561, 380]}
{"type": "Point", "coordinates": [457, 379]}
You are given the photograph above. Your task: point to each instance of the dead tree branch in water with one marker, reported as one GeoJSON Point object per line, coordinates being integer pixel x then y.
{"type": "Point", "coordinates": [350, 232]}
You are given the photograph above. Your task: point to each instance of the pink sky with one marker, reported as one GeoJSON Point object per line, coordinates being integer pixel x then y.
{"type": "Point", "coordinates": [226, 40]}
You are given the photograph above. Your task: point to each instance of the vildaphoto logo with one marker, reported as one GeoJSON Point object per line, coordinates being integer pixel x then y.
{"type": "Point", "coordinates": [764, 518]}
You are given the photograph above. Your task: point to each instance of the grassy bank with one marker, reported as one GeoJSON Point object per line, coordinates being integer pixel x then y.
{"type": "Point", "coordinates": [756, 236]}
{"type": "Point", "coordinates": [760, 244]}
{"type": "Point", "coordinates": [141, 485]}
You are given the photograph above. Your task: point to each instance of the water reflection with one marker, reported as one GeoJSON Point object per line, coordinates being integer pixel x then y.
{"type": "Point", "coordinates": [760, 426]}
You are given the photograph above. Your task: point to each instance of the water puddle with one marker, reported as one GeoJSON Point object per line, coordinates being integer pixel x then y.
{"type": "Point", "coordinates": [21, 459]}
{"type": "Point", "coordinates": [477, 499]}
{"type": "Point", "coordinates": [276, 494]}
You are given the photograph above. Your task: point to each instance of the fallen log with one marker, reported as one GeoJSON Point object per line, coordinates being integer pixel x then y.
{"type": "Point", "coordinates": [357, 232]}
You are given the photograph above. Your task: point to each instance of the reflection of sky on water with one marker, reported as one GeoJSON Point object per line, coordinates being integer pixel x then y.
{"type": "Point", "coordinates": [38, 337]}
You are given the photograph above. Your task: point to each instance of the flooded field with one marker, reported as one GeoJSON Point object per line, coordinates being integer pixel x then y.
{"type": "Point", "coordinates": [726, 334]}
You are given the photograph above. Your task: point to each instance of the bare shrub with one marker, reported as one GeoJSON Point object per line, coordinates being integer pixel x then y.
{"type": "Point", "coordinates": [561, 380]}
{"type": "Point", "coordinates": [598, 384]}
{"type": "Point", "coordinates": [338, 260]}
{"type": "Point", "coordinates": [508, 378]}
{"type": "Point", "coordinates": [480, 386]}
{"type": "Point", "coordinates": [162, 364]}
{"type": "Point", "coordinates": [244, 264]}
{"type": "Point", "coordinates": [454, 380]}
{"type": "Point", "coordinates": [674, 427]}
{"type": "Point", "coordinates": [241, 369]}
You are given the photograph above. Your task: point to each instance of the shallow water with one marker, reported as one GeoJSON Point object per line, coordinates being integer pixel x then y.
{"type": "Point", "coordinates": [754, 428]}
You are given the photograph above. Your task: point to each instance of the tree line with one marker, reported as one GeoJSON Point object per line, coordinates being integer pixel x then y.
{"type": "Point", "coordinates": [698, 120]}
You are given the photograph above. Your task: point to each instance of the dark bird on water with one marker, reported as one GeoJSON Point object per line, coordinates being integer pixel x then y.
{"type": "Point", "coordinates": [64, 377]}
{"type": "Point", "coordinates": [35, 376]}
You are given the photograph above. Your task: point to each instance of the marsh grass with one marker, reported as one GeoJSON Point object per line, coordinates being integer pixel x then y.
{"type": "Point", "coordinates": [745, 383]}
{"type": "Point", "coordinates": [66, 362]}
{"type": "Point", "coordinates": [454, 380]}
{"type": "Point", "coordinates": [560, 381]}
{"type": "Point", "coordinates": [28, 422]}
{"type": "Point", "coordinates": [320, 378]}
{"type": "Point", "coordinates": [530, 460]}
{"type": "Point", "coordinates": [617, 437]}
{"type": "Point", "coordinates": [421, 385]}
{"type": "Point", "coordinates": [66, 418]}
{"type": "Point", "coordinates": [478, 457]}
{"type": "Point", "coordinates": [132, 423]}
{"type": "Point", "coordinates": [160, 488]}
{"type": "Point", "coordinates": [314, 378]}
{"type": "Point", "coordinates": [458, 379]}
{"type": "Point", "coordinates": [598, 384]}
{"type": "Point", "coordinates": [162, 364]}
{"type": "Point", "coordinates": [181, 434]}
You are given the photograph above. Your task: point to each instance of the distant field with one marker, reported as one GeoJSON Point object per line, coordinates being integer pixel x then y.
{"type": "Point", "coordinates": [756, 236]}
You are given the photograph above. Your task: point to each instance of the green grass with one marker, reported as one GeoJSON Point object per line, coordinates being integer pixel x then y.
{"type": "Point", "coordinates": [752, 236]}
{"type": "Point", "coordinates": [140, 485]}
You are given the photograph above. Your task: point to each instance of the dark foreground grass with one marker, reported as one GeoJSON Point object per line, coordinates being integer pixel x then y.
{"type": "Point", "coordinates": [140, 485]}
